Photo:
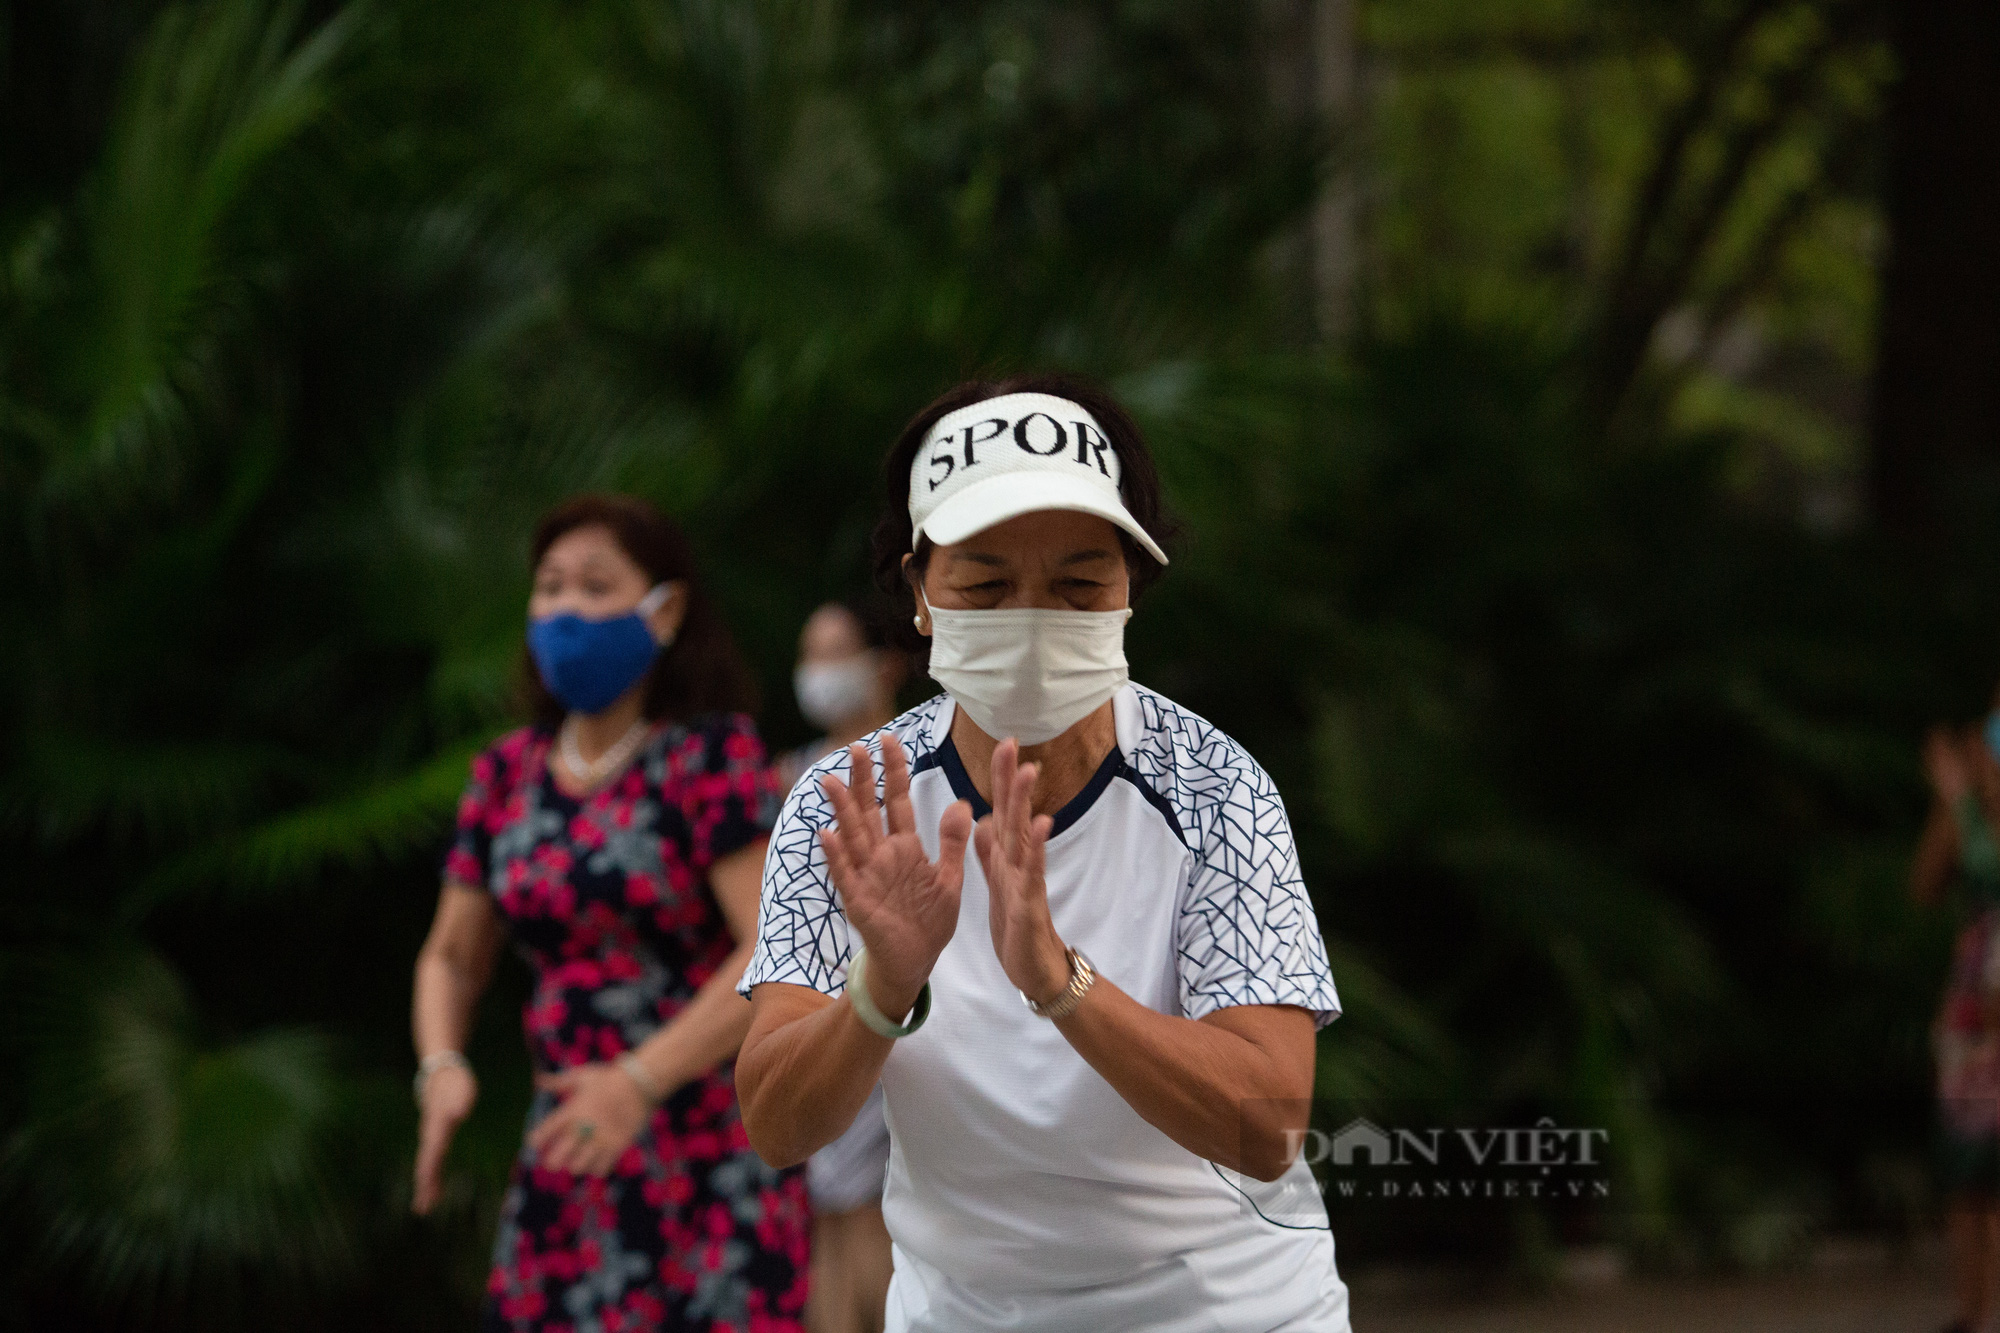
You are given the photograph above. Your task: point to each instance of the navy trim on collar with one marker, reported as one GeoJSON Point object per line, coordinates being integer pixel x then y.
{"type": "Point", "coordinates": [946, 757]}
{"type": "Point", "coordinates": [1154, 799]}
{"type": "Point", "coordinates": [1079, 805]}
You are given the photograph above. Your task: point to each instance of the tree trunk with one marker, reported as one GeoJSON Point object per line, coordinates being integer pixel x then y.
{"type": "Point", "coordinates": [1937, 387]}
{"type": "Point", "coordinates": [1310, 68]}
{"type": "Point", "coordinates": [1335, 256]}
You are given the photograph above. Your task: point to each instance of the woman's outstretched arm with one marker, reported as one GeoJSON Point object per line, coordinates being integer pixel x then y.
{"type": "Point", "coordinates": [452, 970]}
{"type": "Point", "coordinates": [1936, 860]}
{"type": "Point", "coordinates": [1937, 855]}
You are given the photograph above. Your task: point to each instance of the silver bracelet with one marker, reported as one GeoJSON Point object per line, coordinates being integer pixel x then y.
{"type": "Point", "coordinates": [1082, 976]}
{"type": "Point", "coordinates": [643, 1081]}
{"type": "Point", "coordinates": [430, 1064]}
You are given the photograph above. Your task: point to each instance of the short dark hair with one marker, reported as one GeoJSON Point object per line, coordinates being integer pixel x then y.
{"type": "Point", "coordinates": [701, 671]}
{"type": "Point", "coordinates": [1138, 487]}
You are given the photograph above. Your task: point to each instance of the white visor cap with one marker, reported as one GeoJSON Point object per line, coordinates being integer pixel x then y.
{"type": "Point", "coordinates": [1003, 457]}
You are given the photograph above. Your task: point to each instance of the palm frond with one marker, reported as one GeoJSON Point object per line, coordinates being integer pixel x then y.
{"type": "Point", "coordinates": [217, 91]}
{"type": "Point", "coordinates": [159, 1167]}
{"type": "Point", "coordinates": [65, 786]}
{"type": "Point", "coordinates": [391, 818]}
{"type": "Point", "coordinates": [1598, 928]}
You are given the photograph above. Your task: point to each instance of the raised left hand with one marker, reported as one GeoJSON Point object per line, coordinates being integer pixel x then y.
{"type": "Point", "coordinates": [1012, 843]}
{"type": "Point", "coordinates": [601, 1114]}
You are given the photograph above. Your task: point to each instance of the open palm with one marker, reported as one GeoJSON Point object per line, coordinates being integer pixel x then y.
{"type": "Point", "coordinates": [903, 904]}
{"type": "Point", "coordinates": [1012, 843]}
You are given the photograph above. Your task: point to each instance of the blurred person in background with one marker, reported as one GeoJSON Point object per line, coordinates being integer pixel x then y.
{"type": "Point", "coordinates": [1095, 1036]}
{"type": "Point", "coordinates": [846, 680]}
{"type": "Point", "coordinates": [618, 841]}
{"type": "Point", "coordinates": [1959, 851]}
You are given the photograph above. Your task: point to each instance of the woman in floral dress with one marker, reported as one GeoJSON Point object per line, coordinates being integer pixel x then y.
{"type": "Point", "coordinates": [618, 841]}
{"type": "Point", "coordinates": [1958, 861]}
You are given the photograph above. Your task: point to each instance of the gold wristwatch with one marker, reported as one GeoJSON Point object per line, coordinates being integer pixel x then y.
{"type": "Point", "coordinates": [1082, 976]}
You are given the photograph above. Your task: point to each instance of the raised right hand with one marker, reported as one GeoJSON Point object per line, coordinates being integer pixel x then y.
{"type": "Point", "coordinates": [449, 1093]}
{"type": "Point", "coordinates": [903, 905]}
{"type": "Point", "coordinates": [1944, 763]}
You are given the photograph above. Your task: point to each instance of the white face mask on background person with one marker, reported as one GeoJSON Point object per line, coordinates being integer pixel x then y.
{"type": "Point", "coordinates": [1028, 673]}
{"type": "Point", "coordinates": [831, 693]}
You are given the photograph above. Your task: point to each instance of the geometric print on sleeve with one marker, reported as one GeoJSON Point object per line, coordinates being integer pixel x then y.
{"type": "Point", "coordinates": [1247, 931]}
{"type": "Point", "coordinates": [802, 931]}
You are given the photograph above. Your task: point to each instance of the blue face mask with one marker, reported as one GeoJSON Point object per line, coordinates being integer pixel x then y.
{"type": "Point", "coordinates": [587, 664]}
{"type": "Point", "coordinates": [1993, 733]}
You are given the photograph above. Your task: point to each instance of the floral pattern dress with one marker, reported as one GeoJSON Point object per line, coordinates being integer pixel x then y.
{"type": "Point", "coordinates": [607, 898]}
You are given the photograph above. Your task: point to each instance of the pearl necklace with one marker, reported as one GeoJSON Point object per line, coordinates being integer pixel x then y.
{"type": "Point", "coordinates": [615, 757]}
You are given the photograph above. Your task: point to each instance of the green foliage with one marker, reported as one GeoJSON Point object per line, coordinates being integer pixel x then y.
{"type": "Point", "coordinates": [1541, 598]}
{"type": "Point", "coordinates": [162, 1170]}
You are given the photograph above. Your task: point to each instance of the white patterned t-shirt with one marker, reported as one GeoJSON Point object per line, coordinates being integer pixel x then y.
{"type": "Point", "coordinates": [1023, 1190]}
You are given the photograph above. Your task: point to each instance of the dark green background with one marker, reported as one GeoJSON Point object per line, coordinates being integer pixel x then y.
{"type": "Point", "coordinates": [1581, 430]}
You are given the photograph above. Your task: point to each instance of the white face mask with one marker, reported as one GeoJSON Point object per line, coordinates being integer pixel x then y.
{"type": "Point", "coordinates": [1030, 673]}
{"type": "Point", "coordinates": [831, 693]}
